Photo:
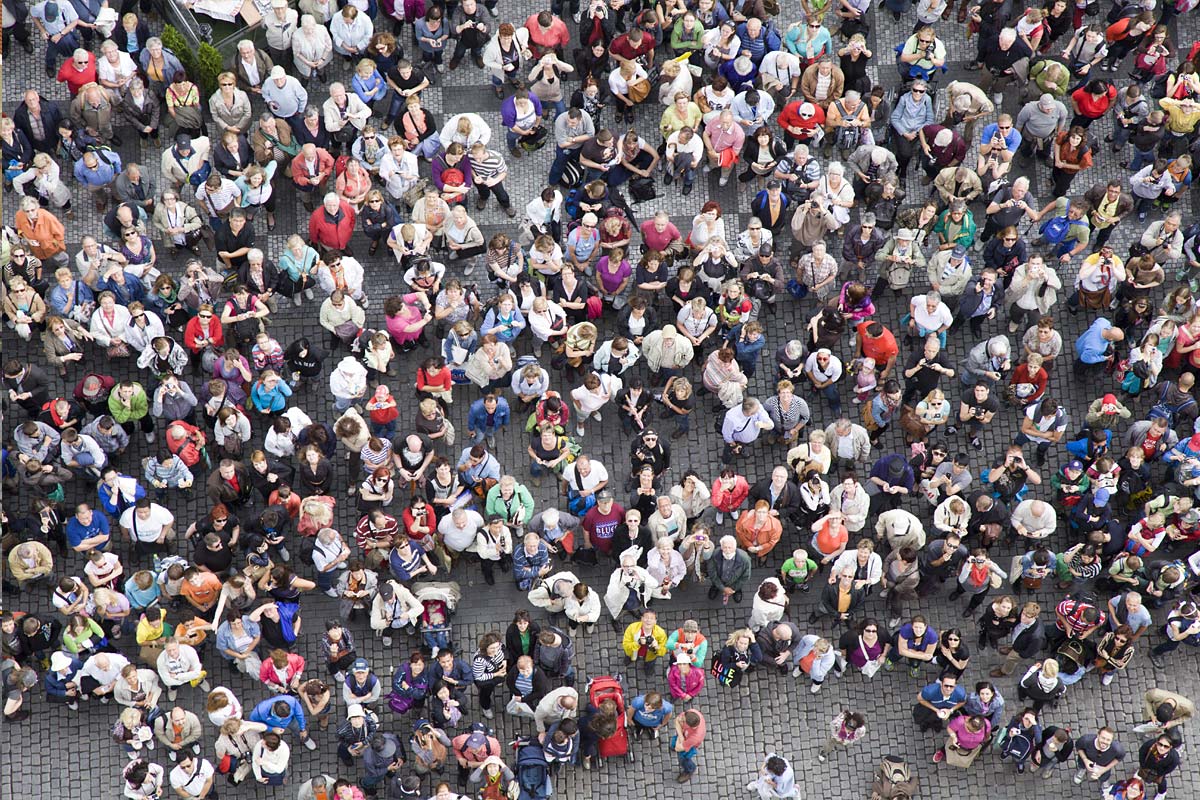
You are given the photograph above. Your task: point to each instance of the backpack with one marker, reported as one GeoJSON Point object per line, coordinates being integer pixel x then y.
{"type": "Point", "coordinates": [893, 780]}
{"type": "Point", "coordinates": [1055, 230]}
{"type": "Point", "coordinates": [1164, 410]}
{"type": "Point", "coordinates": [453, 177]}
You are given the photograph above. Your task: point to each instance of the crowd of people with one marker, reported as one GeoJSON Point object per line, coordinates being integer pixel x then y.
{"type": "Point", "coordinates": [162, 377]}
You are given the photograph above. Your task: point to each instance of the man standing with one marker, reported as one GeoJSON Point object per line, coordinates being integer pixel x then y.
{"type": "Point", "coordinates": [689, 734]}
{"type": "Point", "coordinates": [192, 778]}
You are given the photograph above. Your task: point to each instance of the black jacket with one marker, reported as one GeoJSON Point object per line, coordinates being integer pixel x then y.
{"type": "Point", "coordinates": [541, 686]}
{"type": "Point", "coordinates": [50, 117]}
{"type": "Point", "coordinates": [1030, 642]}
{"type": "Point", "coordinates": [786, 504]}
{"type": "Point", "coordinates": [512, 642]}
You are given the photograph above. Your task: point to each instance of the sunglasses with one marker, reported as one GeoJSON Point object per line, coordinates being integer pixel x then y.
{"type": "Point", "coordinates": [204, 316]}
{"type": "Point", "coordinates": [918, 91]}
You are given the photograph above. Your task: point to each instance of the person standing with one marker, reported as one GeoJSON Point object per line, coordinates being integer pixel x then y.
{"type": "Point", "coordinates": [689, 734]}
{"type": "Point", "coordinates": [846, 728]}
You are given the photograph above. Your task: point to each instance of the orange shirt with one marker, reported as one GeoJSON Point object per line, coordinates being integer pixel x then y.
{"type": "Point", "coordinates": [204, 594]}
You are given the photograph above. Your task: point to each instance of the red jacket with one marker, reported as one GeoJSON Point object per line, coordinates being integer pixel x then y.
{"type": "Point", "coordinates": [333, 234]}
{"type": "Point", "coordinates": [300, 173]}
{"type": "Point", "coordinates": [789, 117]}
{"type": "Point", "coordinates": [192, 331]}
{"type": "Point", "coordinates": [188, 448]}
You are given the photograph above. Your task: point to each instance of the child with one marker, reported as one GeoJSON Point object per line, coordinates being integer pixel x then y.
{"type": "Point", "coordinates": [266, 353]}
{"type": "Point", "coordinates": [383, 413]}
{"type": "Point", "coordinates": [1071, 483]}
{"type": "Point", "coordinates": [798, 571]}
{"type": "Point", "coordinates": [435, 625]}
{"type": "Point", "coordinates": [865, 383]}
{"type": "Point", "coordinates": [378, 355]}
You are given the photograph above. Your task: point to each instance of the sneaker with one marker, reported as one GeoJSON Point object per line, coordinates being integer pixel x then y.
{"type": "Point", "coordinates": [1108, 678]}
{"type": "Point", "coordinates": [720, 518]}
{"type": "Point", "coordinates": [308, 294]}
{"type": "Point", "coordinates": [894, 622]}
{"type": "Point", "coordinates": [914, 672]}
{"type": "Point", "coordinates": [105, 698]}
{"type": "Point", "coordinates": [1078, 779]}
{"type": "Point", "coordinates": [577, 16]}
{"type": "Point", "coordinates": [488, 713]}
{"type": "Point", "coordinates": [596, 416]}
{"type": "Point", "coordinates": [654, 733]}
{"type": "Point", "coordinates": [340, 676]}
{"type": "Point", "coordinates": [797, 672]}
{"type": "Point", "coordinates": [173, 755]}
{"type": "Point", "coordinates": [888, 666]}
{"type": "Point", "coordinates": [196, 749]}
{"type": "Point", "coordinates": [723, 181]}
{"type": "Point", "coordinates": [815, 688]}
{"type": "Point", "coordinates": [331, 592]}
{"type": "Point", "coordinates": [1013, 327]}
{"type": "Point", "coordinates": [951, 430]}
{"type": "Point", "coordinates": [74, 706]}
{"type": "Point", "coordinates": [469, 268]}
{"type": "Point", "coordinates": [579, 431]}
{"type": "Point", "coordinates": [977, 443]}
{"type": "Point", "coordinates": [821, 757]}
{"type": "Point", "coordinates": [172, 693]}
{"type": "Point", "coordinates": [939, 756]}
{"type": "Point", "coordinates": [310, 744]}
{"type": "Point", "coordinates": [205, 687]}
{"type": "Point", "coordinates": [296, 300]}
{"type": "Point", "coordinates": [150, 437]}
{"type": "Point", "coordinates": [387, 641]}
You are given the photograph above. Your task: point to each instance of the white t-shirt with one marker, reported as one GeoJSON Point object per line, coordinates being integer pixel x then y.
{"type": "Point", "coordinates": [147, 530]}
{"type": "Point", "coordinates": [832, 371]}
{"type": "Point", "coordinates": [597, 476]}
{"type": "Point", "coordinates": [931, 322]}
{"type": "Point", "coordinates": [193, 783]}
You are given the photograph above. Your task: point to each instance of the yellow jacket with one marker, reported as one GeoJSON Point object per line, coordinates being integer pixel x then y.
{"type": "Point", "coordinates": [631, 644]}
{"type": "Point", "coordinates": [43, 562]}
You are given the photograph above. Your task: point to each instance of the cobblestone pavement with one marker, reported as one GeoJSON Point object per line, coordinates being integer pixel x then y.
{"type": "Point", "coordinates": [71, 755]}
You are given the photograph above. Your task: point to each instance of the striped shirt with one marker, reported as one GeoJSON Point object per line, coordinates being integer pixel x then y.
{"type": "Point", "coordinates": [487, 168]}
{"type": "Point", "coordinates": [485, 668]}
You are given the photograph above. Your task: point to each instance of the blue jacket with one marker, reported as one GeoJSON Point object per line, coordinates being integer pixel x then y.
{"type": "Point", "coordinates": [264, 713]}
{"type": "Point", "coordinates": [56, 685]}
{"type": "Point", "coordinates": [113, 505]}
{"type": "Point", "coordinates": [59, 296]}
{"type": "Point", "coordinates": [124, 295]}
{"type": "Point", "coordinates": [171, 63]}
{"type": "Point", "coordinates": [526, 567]}
{"type": "Point", "coordinates": [104, 173]}
{"type": "Point", "coordinates": [225, 638]}
{"type": "Point", "coordinates": [270, 400]}
{"type": "Point", "coordinates": [477, 417]}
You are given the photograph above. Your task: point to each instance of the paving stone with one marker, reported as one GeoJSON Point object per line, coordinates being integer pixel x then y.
{"type": "Point", "coordinates": [772, 712]}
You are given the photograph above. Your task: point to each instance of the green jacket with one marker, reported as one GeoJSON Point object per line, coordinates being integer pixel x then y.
{"type": "Point", "coordinates": [498, 506]}
{"type": "Point", "coordinates": [138, 407]}
{"type": "Point", "coordinates": [680, 40]}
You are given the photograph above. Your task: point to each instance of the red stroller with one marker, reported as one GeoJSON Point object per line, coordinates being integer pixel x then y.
{"type": "Point", "coordinates": [607, 687]}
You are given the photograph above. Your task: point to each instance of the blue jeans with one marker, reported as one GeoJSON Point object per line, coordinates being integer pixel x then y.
{"type": "Point", "coordinates": [687, 758]}
{"type": "Point", "coordinates": [328, 580]}
{"type": "Point", "coordinates": [438, 639]}
{"type": "Point", "coordinates": [561, 158]}
{"type": "Point", "coordinates": [512, 139]}
{"type": "Point", "coordinates": [830, 393]}
{"type": "Point", "coordinates": [537, 470]}
{"type": "Point", "coordinates": [477, 437]}
{"type": "Point", "coordinates": [1140, 159]}
{"type": "Point", "coordinates": [64, 47]}
{"type": "Point", "coordinates": [683, 168]}
{"type": "Point", "coordinates": [342, 403]}
{"type": "Point", "coordinates": [381, 430]}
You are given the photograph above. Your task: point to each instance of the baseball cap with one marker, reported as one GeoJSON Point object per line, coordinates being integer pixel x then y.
{"type": "Point", "coordinates": [278, 3]}
{"type": "Point", "coordinates": [1102, 496]}
{"type": "Point", "coordinates": [1109, 399]}
{"type": "Point", "coordinates": [278, 72]}
{"type": "Point", "coordinates": [355, 710]}
{"type": "Point", "coordinates": [1075, 464]}
{"type": "Point", "coordinates": [183, 142]}
{"type": "Point", "coordinates": [959, 252]}
{"type": "Point", "coordinates": [359, 665]}
{"type": "Point", "coordinates": [1046, 101]}
{"type": "Point", "coordinates": [91, 386]}
{"type": "Point", "coordinates": [476, 740]}
{"type": "Point", "coordinates": [807, 111]}
{"type": "Point", "coordinates": [766, 249]}
{"type": "Point", "coordinates": [774, 184]}
{"type": "Point", "coordinates": [605, 495]}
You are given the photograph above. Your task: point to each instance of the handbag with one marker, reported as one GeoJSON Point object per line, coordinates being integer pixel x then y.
{"type": "Point", "coordinates": [411, 196]}
{"type": "Point", "coordinates": [639, 90]}
{"type": "Point", "coordinates": [595, 307]}
{"type": "Point", "coordinates": [871, 666]}
{"type": "Point", "coordinates": [642, 189]}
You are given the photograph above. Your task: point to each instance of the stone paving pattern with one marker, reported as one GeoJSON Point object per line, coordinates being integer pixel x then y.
{"type": "Point", "coordinates": [72, 753]}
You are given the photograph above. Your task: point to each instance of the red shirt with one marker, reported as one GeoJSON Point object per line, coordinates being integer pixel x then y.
{"type": "Point", "coordinates": [1091, 107]}
{"type": "Point", "coordinates": [659, 241]}
{"type": "Point", "coordinates": [883, 348]}
{"type": "Point", "coordinates": [557, 37]}
{"type": "Point", "coordinates": [73, 78]}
